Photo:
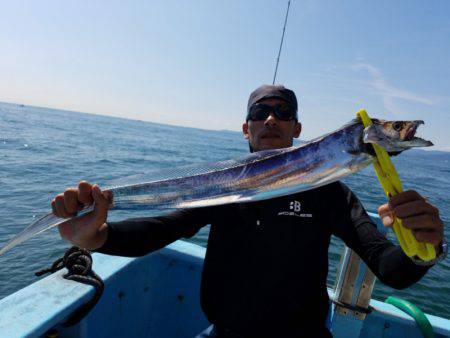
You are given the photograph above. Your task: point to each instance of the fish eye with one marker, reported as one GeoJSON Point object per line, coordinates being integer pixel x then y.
{"type": "Point", "coordinates": [397, 126]}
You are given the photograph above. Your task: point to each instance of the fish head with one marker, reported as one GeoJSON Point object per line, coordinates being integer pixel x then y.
{"type": "Point", "coordinates": [394, 136]}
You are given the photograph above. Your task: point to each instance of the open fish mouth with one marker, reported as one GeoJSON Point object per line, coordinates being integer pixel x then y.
{"type": "Point", "coordinates": [410, 136]}
{"type": "Point", "coordinates": [395, 136]}
{"type": "Point", "coordinates": [411, 132]}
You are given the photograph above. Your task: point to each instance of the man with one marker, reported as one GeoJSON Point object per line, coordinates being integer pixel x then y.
{"type": "Point", "coordinates": [265, 270]}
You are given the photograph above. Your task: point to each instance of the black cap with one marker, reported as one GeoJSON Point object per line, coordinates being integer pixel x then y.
{"type": "Point", "coordinates": [273, 91]}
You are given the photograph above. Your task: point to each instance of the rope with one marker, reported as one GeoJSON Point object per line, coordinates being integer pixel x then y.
{"type": "Point", "coordinates": [351, 307]}
{"type": "Point", "coordinates": [281, 43]}
{"type": "Point", "coordinates": [78, 262]}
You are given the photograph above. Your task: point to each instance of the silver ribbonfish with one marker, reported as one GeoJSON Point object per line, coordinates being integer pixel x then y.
{"type": "Point", "coordinates": [257, 176]}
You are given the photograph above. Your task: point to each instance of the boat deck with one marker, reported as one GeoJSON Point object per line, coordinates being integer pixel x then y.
{"type": "Point", "coordinates": [152, 296]}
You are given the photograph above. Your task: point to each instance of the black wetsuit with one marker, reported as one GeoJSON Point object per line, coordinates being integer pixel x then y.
{"type": "Point", "coordinates": [266, 263]}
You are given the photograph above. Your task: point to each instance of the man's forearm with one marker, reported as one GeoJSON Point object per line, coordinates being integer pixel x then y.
{"type": "Point", "coordinates": [137, 237]}
{"type": "Point", "coordinates": [386, 260]}
{"type": "Point", "coordinates": [397, 270]}
{"type": "Point", "coordinates": [134, 238]}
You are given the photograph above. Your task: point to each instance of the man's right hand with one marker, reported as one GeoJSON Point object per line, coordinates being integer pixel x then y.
{"type": "Point", "coordinates": [88, 231]}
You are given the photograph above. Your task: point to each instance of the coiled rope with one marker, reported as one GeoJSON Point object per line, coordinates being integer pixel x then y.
{"type": "Point", "coordinates": [78, 262]}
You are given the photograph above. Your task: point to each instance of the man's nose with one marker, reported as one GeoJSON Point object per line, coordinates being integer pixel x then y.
{"type": "Point", "coordinates": [271, 120]}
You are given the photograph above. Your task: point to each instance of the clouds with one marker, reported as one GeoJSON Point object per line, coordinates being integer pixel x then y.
{"type": "Point", "coordinates": [388, 92]}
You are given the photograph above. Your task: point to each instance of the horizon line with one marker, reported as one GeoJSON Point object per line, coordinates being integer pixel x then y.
{"type": "Point", "coordinates": [443, 150]}
{"type": "Point", "coordinates": [116, 117]}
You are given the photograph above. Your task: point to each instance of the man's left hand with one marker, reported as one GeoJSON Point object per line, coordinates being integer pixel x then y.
{"type": "Point", "coordinates": [416, 214]}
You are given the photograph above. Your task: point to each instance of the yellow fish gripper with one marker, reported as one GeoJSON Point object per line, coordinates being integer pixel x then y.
{"type": "Point", "coordinates": [392, 185]}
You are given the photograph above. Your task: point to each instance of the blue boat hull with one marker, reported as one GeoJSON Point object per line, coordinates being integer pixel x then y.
{"type": "Point", "coordinates": [153, 296]}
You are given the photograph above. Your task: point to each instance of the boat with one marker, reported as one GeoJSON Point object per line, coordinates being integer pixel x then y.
{"type": "Point", "coordinates": [158, 295]}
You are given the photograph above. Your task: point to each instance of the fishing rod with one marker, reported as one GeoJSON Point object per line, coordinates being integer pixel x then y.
{"type": "Point", "coordinates": [281, 43]}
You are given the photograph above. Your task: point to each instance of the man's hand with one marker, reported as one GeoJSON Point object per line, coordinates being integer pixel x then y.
{"type": "Point", "coordinates": [90, 230]}
{"type": "Point", "coordinates": [416, 214]}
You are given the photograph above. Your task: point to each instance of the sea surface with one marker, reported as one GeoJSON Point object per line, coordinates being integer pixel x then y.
{"type": "Point", "coordinates": [43, 151]}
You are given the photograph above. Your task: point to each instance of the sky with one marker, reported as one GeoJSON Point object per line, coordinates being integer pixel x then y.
{"type": "Point", "coordinates": [194, 63]}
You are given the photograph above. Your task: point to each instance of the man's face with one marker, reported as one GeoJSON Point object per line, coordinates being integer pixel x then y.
{"type": "Point", "coordinates": [271, 133]}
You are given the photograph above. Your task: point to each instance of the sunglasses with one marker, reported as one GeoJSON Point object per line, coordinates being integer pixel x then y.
{"type": "Point", "coordinates": [282, 111]}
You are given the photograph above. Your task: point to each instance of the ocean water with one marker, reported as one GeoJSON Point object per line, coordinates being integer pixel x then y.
{"type": "Point", "coordinates": [43, 151]}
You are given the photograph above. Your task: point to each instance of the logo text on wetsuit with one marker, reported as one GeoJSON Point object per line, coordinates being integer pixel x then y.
{"type": "Point", "coordinates": [295, 207]}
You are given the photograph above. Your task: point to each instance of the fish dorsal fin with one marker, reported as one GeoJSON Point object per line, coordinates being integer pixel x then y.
{"type": "Point", "coordinates": [194, 169]}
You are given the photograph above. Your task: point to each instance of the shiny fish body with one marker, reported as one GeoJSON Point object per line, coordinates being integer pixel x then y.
{"type": "Point", "coordinates": [257, 176]}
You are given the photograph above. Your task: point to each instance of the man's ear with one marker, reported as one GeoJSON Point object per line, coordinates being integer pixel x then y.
{"type": "Point", "coordinates": [297, 129]}
{"type": "Point", "coordinates": [245, 130]}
